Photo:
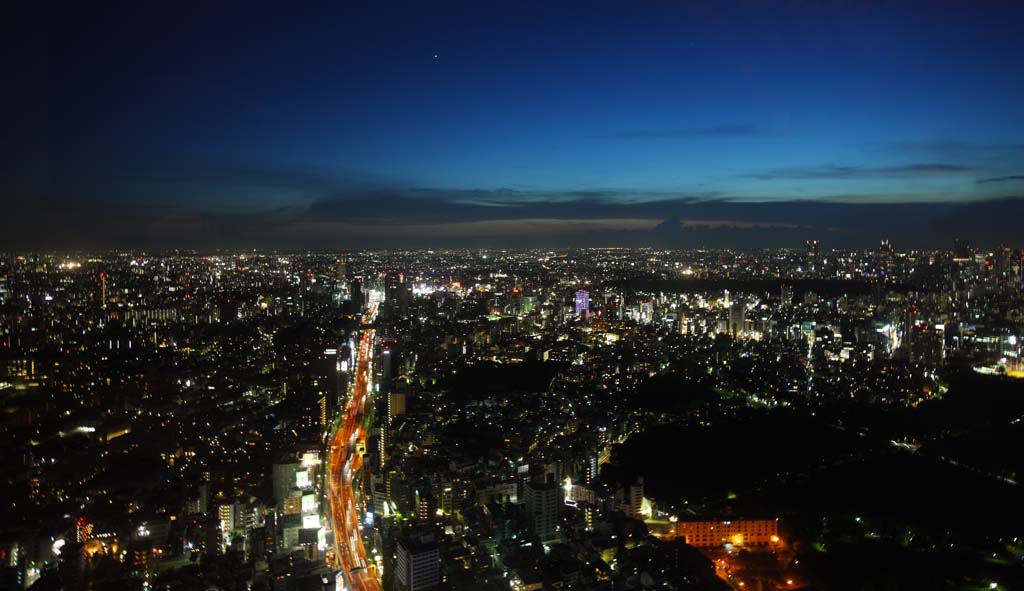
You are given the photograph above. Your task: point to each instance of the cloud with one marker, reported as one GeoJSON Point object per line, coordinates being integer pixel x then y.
{"type": "Point", "coordinates": [1001, 179]}
{"type": "Point", "coordinates": [829, 171]}
{"type": "Point", "coordinates": [953, 148]}
{"type": "Point", "coordinates": [715, 131]}
{"type": "Point", "coordinates": [431, 217]}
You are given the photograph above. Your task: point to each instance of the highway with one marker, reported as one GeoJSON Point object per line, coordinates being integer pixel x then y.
{"type": "Point", "coordinates": [360, 573]}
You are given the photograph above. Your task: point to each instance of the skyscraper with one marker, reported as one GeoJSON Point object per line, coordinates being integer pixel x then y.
{"type": "Point", "coordinates": [737, 319]}
{"type": "Point", "coordinates": [340, 270]}
{"type": "Point", "coordinates": [327, 382]}
{"type": "Point", "coordinates": [356, 291]}
{"type": "Point", "coordinates": [962, 249]}
{"type": "Point", "coordinates": [418, 564]}
{"type": "Point", "coordinates": [582, 302]}
{"type": "Point", "coordinates": [542, 509]}
{"type": "Point", "coordinates": [392, 283]}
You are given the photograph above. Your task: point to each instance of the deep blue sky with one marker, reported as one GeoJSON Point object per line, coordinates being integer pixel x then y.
{"type": "Point", "coordinates": [431, 123]}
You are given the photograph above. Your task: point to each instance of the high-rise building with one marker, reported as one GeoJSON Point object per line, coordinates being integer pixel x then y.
{"type": "Point", "coordinates": [392, 283]}
{"type": "Point", "coordinates": [340, 270]}
{"type": "Point", "coordinates": [786, 294]}
{"type": "Point", "coordinates": [418, 564]}
{"type": "Point", "coordinates": [582, 302]}
{"type": "Point", "coordinates": [283, 477]}
{"type": "Point", "coordinates": [327, 383]}
{"type": "Point", "coordinates": [926, 344]}
{"type": "Point", "coordinates": [103, 291]}
{"type": "Point", "coordinates": [885, 255]}
{"type": "Point", "coordinates": [630, 499]}
{"type": "Point", "coordinates": [341, 278]}
{"type": "Point", "coordinates": [355, 288]}
{"type": "Point", "coordinates": [813, 249]}
{"type": "Point", "coordinates": [226, 516]}
{"type": "Point", "coordinates": [737, 319]}
{"type": "Point", "coordinates": [962, 249]}
{"type": "Point", "coordinates": [542, 500]}
{"type": "Point", "coordinates": [396, 405]}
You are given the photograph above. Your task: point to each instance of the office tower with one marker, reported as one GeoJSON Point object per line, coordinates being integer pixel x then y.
{"type": "Point", "coordinates": [340, 278]}
{"type": "Point", "coordinates": [340, 270]}
{"type": "Point", "coordinates": [388, 359]}
{"type": "Point", "coordinates": [356, 290]}
{"type": "Point", "coordinates": [636, 497]}
{"type": "Point", "coordinates": [962, 249]}
{"type": "Point", "coordinates": [229, 310]}
{"type": "Point", "coordinates": [418, 565]}
{"type": "Point", "coordinates": [396, 405]}
{"type": "Point", "coordinates": [885, 255]}
{"type": "Point", "coordinates": [737, 319]}
{"type": "Point", "coordinates": [103, 291]}
{"type": "Point", "coordinates": [392, 283]}
{"type": "Point", "coordinates": [813, 249]}
{"type": "Point", "coordinates": [1005, 260]}
{"type": "Point", "coordinates": [542, 501]}
{"type": "Point", "coordinates": [591, 470]}
{"type": "Point", "coordinates": [283, 478]}
{"type": "Point", "coordinates": [786, 294]}
{"type": "Point", "coordinates": [327, 383]}
{"type": "Point", "coordinates": [926, 344]}
{"type": "Point", "coordinates": [582, 302]}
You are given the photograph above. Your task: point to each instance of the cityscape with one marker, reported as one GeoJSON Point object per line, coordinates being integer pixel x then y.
{"type": "Point", "coordinates": [522, 296]}
{"type": "Point", "coordinates": [453, 419]}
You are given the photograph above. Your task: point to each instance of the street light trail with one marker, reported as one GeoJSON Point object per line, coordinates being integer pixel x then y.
{"type": "Point", "coordinates": [344, 464]}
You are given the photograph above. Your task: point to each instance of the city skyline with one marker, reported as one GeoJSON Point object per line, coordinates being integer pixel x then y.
{"type": "Point", "coordinates": [447, 125]}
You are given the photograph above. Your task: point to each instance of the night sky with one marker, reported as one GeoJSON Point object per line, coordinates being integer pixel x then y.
{"type": "Point", "coordinates": [370, 124]}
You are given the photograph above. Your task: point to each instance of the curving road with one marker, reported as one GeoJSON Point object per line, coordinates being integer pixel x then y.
{"type": "Point", "coordinates": [344, 464]}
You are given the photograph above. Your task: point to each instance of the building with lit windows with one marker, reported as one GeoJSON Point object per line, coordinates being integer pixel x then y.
{"type": "Point", "coordinates": [738, 532]}
{"type": "Point", "coordinates": [542, 504]}
{"type": "Point", "coordinates": [582, 302]}
{"type": "Point", "coordinates": [418, 564]}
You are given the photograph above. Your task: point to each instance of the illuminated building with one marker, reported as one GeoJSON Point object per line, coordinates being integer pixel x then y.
{"type": "Point", "coordinates": [426, 506]}
{"type": "Point", "coordinates": [737, 319]}
{"type": "Point", "coordinates": [340, 270]}
{"type": "Point", "coordinates": [582, 302]}
{"type": "Point", "coordinates": [283, 476]}
{"type": "Point", "coordinates": [813, 249]}
{"type": "Point", "coordinates": [542, 501]}
{"type": "Point", "coordinates": [962, 250]}
{"type": "Point", "coordinates": [83, 530]}
{"type": "Point", "coordinates": [591, 472]}
{"type": "Point", "coordinates": [418, 564]}
{"type": "Point", "coordinates": [327, 383]}
{"type": "Point", "coordinates": [926, 344]}
{"type": "Point", "coordinates": [356, 292]}
{"type": "Point", "coordinates": [630, 499]}
{"type": "Point", "coordinates": [392, 284]}
{"type": "Point", "coordinates": [226, 514]}
{"type": "Point", "coordinates": [103, 291]}
{"type": "Point", "coordinates": [396, 405]}
{"type": "Point", "coordinates": [737, 532]}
